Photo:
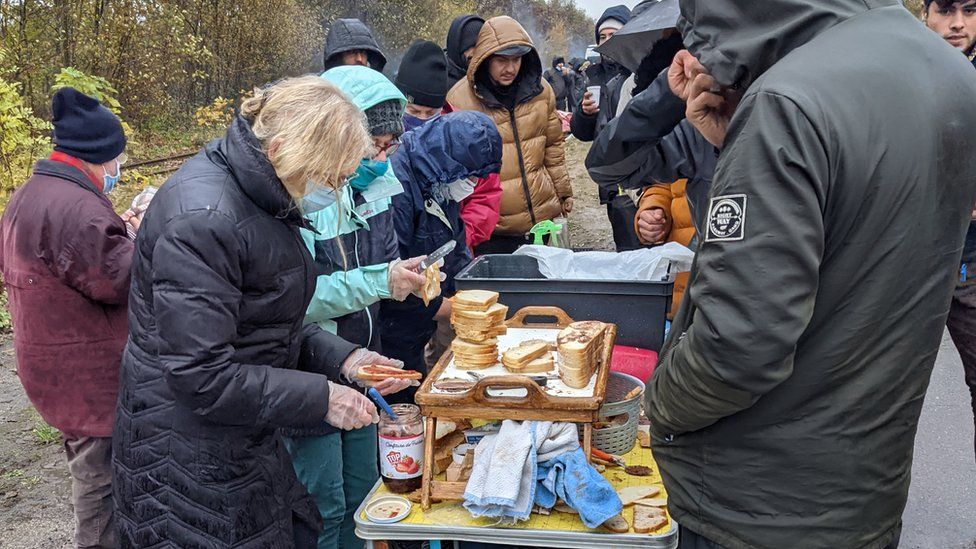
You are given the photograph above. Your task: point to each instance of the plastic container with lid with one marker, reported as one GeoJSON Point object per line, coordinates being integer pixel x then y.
{"type": "Point", "coordinates": [401, 448]}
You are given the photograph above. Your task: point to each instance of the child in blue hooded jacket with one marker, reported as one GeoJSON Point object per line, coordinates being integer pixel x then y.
{"type": "Point", "coordinates": [438, 164]}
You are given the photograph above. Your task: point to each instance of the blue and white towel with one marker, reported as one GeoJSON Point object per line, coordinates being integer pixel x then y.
{"type": "Point", "coordinates": [504, 478]}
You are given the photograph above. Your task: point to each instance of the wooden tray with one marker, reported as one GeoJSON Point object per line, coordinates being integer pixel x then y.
{"type": "Point", "coordinates": [537, 404]}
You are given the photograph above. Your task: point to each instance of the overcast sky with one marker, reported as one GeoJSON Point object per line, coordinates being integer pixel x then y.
{"type": "Point", "coordinates": [594, 8]}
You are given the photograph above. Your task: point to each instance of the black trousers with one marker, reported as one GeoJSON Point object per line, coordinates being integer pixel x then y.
{"type": "Point", "coordinates": [962, 329]}
{"type": "Point", "coordinates": [690, 540]}
{"type": "Point", "coordinates": [304, 535]}
{"type": "Point", "coordinates": [621, 211]}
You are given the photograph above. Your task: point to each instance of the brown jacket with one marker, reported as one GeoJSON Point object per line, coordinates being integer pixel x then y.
{"type": "Point", "coordinates": [533, 175]}
{"type": "Point", "coordinates": [680, 227]}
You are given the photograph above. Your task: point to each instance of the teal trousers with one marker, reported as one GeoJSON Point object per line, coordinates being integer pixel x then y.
{"type": "Point", "coordinates": [338, 470]}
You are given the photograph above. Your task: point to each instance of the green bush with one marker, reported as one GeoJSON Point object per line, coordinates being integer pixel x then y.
{"type": "Point", "coordinates": [23, 136]}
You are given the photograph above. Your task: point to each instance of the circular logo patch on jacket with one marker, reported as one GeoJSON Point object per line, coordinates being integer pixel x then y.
{"type": "Point", "coordinates": [726, 218]}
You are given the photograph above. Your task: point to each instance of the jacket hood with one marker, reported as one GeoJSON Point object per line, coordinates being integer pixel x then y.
{"type": "Point", "coordinates": [242, 154]}
{"type": "Point", "coordinates": [365, 87]}
{"type": "Point", "coordinates": [455, 48]}
{"type": "Point", "coordinates": [352, 34]}
{"type": "Point", "coordinates": [738, 41]}
{"type": "Point", "coordinates": [620, 13]}
{"type": "Point", "coordinates": [500, 33]}
{"type": "Point", "coordinates": [455, 146]}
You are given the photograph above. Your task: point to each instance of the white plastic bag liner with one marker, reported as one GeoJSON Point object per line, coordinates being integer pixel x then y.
{"type": "Point", "coordinates": [650, 264]}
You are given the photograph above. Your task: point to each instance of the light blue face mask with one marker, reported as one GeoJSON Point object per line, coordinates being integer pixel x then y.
{"type": "Point", "coordinates": [109, 181]}
{"type": "Point", "coordinates": [318, 200]}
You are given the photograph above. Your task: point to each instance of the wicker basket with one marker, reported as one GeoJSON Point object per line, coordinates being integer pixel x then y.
{"type": "Point", "coordinates": [619, 439]}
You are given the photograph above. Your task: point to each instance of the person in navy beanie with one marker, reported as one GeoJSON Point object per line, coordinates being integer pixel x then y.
{"type": "Point", "coordinates": [62, 243]}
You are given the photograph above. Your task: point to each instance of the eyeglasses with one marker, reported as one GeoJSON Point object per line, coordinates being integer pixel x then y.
{"type": "Point", "coordinates": [123, 159]}
{"type": "Point", "coordinates": [390, 148]}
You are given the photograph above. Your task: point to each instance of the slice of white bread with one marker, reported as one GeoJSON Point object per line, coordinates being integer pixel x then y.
{"type": "Point", "coordinates": [432, 285]}
{"type": "Point", "coordinates": [617, 525]}
{"type": "Point", "coordinates": [648, 519]}
{"type": "Point", "coordinates": [525, 352]}
{"type": "Point", "coordinates": [652, 502]}
{"type": "Point", "coordinates": [477, 349]}
{"type": "Point", "coordinates": [580, 336]}
{"type": "Point", "coordinates": [631, 494]}
{"type": "Point", "coordinates": [541, 365]}
{"type": "Point", "coordinates": [494, 315]}
{"type": "Point", "coordinates": [474, 335]}
{"type": "Point", "coordinates": [475, 300]}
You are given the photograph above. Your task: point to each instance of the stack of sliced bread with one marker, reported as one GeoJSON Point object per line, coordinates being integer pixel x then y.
{"type": "Point", "coordinates": [529, 357]}
{"type": "Point", "coordinates": [580, 346]}
{"type": "Point", "coordinates": [478, 319]}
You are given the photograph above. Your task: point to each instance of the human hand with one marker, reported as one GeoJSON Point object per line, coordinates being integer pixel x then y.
{"type": "Point", "coordinates": [589, 105]}
{"type": "Point", "coordinates": [709, 108]}
{"type": "Point", "coordinates": [405, 277]}
{"type": "Point", "coordinates": [132, 219]}
{"type": "Point", "coordinates": [972, 216]}
{"type": "Point", "coordinates": [349, 409]}
{"type": "Point", "coordinates": [682, 72]}
{"type": "Point", "coordinates": [652, 225]}
{"type": "Point", "coordinates": [567, 205]}
{"type": "Point", "coordinates": [364, 357]}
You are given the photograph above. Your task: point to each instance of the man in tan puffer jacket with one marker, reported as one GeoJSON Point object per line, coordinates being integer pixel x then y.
{"type": "Point", "coordinates": [505, 82]}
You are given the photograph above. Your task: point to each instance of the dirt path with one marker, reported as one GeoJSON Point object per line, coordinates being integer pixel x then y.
{"type": "Point", "coordinates": [35, 489]}
{"type": "Point", "coordinates": [588, 224]}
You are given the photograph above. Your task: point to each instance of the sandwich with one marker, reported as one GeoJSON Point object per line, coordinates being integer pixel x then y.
{"type": "Point", "coordinates": [375, 372]}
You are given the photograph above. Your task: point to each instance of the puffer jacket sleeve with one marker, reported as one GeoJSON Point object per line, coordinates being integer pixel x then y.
{"type": "Point", "coordinates": [649, 141]}
{"type": "Point", "coordinates": [655, 196]}
{"type": "Point", "coordinates": [480, 211]}
{"type": "Point", "coordinates": [97, 257]}
{"type": "Point", "coordinates": [752, 292]}
{"type": "Point", "coordinates": [555, 160]}
{"type": "Point", "coordinates": [196, 278]}
{"type": "Point", "coordinates": [323, 352]}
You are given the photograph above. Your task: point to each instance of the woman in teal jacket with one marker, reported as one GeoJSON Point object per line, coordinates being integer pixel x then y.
{"type": "Point", "coordinates": [357, 261]}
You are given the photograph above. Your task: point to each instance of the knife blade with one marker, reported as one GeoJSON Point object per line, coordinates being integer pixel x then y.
{"type": "Point", "coordinates": [437, 255]}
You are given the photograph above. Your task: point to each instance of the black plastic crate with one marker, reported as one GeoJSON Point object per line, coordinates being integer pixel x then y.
{"type": "Point", "coordinates": [638, 308]}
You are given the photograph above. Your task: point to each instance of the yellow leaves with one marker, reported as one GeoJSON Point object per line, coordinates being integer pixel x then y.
{"type": "Point", "coordinates": [23, 139]}
{"type": "Point", "coordinates": [215, 115]}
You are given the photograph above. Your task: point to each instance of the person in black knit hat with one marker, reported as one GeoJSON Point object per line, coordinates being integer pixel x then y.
{"type": "Point", "coordinates": [423, 80]}
{"type": "Point", "coordinates": [65, 260]}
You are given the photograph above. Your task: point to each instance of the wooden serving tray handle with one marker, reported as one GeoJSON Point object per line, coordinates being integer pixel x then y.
{"type": "Point", "coordinates": [519, 319]}
{"type": "Point", "coordinates": [534, 398]}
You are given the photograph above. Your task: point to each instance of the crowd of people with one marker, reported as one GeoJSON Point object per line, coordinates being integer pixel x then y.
{"type": "Point", "coordinates": [205, 374]}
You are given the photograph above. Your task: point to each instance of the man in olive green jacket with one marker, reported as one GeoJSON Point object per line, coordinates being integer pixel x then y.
{"type": "Point", "coordinates": [785, 405]}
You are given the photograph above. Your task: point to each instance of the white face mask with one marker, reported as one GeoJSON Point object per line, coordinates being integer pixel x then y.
{"type": "Point", "coordinates": [460, 189]}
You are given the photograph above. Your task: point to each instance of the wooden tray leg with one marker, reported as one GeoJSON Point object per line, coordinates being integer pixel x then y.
{"type": "Point", "coordinates": [587, 440]}
{"type": "Point", "coordinates": [430, 433]}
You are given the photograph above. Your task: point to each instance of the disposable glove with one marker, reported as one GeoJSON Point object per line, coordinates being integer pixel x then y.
{"type": "Point", "coordinates": [365, 357]}
{"type": "Point", "coordinates": [349, 409]}
{"type": "Point", "coordinates": [405, 278]}
{"type": "Point", "coordinates": [440, 264]}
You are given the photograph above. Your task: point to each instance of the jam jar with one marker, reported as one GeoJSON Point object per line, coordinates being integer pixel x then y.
{"type": "Point", "coordinates": [401, 448]}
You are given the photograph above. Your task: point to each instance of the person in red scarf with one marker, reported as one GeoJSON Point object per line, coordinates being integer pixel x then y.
{"type": "Point", "coordinates": [65, 257]}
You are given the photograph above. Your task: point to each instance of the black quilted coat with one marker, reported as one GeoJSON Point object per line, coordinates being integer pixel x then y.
{"type": "Point", "coordinates": [217, 359]}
